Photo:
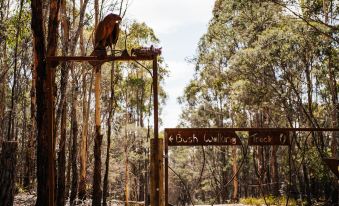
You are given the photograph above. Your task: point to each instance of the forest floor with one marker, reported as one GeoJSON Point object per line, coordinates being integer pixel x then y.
{"type": "Point", "coordinates": [224, 205]}
{"type": "Point", "coordinates": [24, 199]}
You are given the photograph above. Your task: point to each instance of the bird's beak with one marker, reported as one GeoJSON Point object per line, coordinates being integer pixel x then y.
{"type": "Point", "coordinates": [117, 18]}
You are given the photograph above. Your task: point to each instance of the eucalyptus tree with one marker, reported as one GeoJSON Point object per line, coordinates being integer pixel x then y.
{"type": "Point", "coordinates": [273, 68]}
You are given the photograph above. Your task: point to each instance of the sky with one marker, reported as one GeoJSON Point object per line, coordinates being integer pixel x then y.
{"type": "Point", "coordinates": [178, 24]}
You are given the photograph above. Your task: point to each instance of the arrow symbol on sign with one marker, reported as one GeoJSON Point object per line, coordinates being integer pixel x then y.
{"type": "Point", "coordinates": [170, 138]}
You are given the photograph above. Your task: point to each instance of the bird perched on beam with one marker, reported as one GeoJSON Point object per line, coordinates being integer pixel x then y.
{"type": "Point", "coordinates": [106, 34]}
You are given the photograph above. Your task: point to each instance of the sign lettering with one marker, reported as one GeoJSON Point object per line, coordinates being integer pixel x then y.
{"type": "Point", "coordinates": [195, 137]}
{"type": "Point", "coordinates": [263, 137]}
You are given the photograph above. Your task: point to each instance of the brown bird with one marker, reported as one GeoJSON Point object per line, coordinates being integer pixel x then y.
{"type": "Point", "coordinates": [107, 32]}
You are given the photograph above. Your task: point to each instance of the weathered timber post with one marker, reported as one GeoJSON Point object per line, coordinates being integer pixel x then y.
{"type": "Point", "coordinates": [161, 172]}
{"type": "Point", "coordinates": [151, 176]}
{"type": "Point", "coordinates": [159, 159]}
{"type": "Point", "coordinates": [155, 168]}
{"type": "Point", "coordinates": [97, 190]}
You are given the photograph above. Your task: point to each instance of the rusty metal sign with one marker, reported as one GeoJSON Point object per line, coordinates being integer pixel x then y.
{"type": "Point", "coordinates": [333, 164]}
{"type": "Point", "coordinates": [268, 137]}
{"type": "Point", "coordinates": [201, 136]}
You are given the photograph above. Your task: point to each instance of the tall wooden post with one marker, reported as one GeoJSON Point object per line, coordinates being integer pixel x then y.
{"type": "Point", "coordinates": [161, 172]}
{"type": "Point", "coordinates": [97, 189]}
{"type": "Point", "coordinates": [152, 179]}
{"type": "Point", "coordinates": [159, 159]}
{"type": "Point", "coordinates": [155, 173]}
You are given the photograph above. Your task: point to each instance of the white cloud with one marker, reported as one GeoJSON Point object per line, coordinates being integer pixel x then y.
{"type": "Point", "coordinates": [166, 15]}
{"type": "Point", "coordinates": [180, 75]}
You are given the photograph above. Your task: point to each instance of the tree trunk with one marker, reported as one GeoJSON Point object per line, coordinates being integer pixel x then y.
{"type": "Point", "coordinates": [64, 66]}
{"type": "Point", "coordinates": [224, 175]}
{"type": "Point", "coordinates": [235, 180]}
{"type": "Point", "coordinates": [74, 188]}
{"type": "Point", "coordinates": [83, 144]}
{"type": "Point", "coordinates": [45, 101]}
{"type": "Point", "coordinates": [62, 111]}
{"type": "Point", "coordinates": [109, 120]}
{"type": "Point", "coordinates": [97, 189]}
{"type": "Point", "coordinates": [68, 175]}
{"type": "Point", "coordinates": [126, 155]}
{"type": "Point", "coordinates": [7, 173]}
{"type": "Point", "coordinates": [3, 93]}
{"type": "Point", "coordinates": [246, 177]}
{"type": "Point", "coordinates": [143, 164]}
{"type": "Point", "coordinates": [85, 116]}
{"type": "Point", "coordinates": [12, 111]}
{"type": "Point", "coordinates": [274, 171]}
{"type": "Point", "coordinates": [147, 169]}
{"type": "Point", "coordinates": [29, 163]}
{"type": "Point", "coordinates": [62, 159]}
{"type": "Point", "coordinates": [307, 184]}
{"type": "Point", "coordinates": [24, 138]}
{"type": "Point", "coordinates": [126, 175]}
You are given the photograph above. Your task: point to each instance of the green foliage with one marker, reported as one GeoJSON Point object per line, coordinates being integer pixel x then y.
{"type": "Point", "coordinates": [11, 25]}
{"type": "Point", "coordinates": [259, 65]}
{"type": "Point", "coordinates": [270, 200]}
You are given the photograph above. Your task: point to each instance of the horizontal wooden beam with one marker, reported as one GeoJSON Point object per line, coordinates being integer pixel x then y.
{"type": "Point", "coordinates": [99, 59]}
{"type": "Point", "coordinates": [254, 129]}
